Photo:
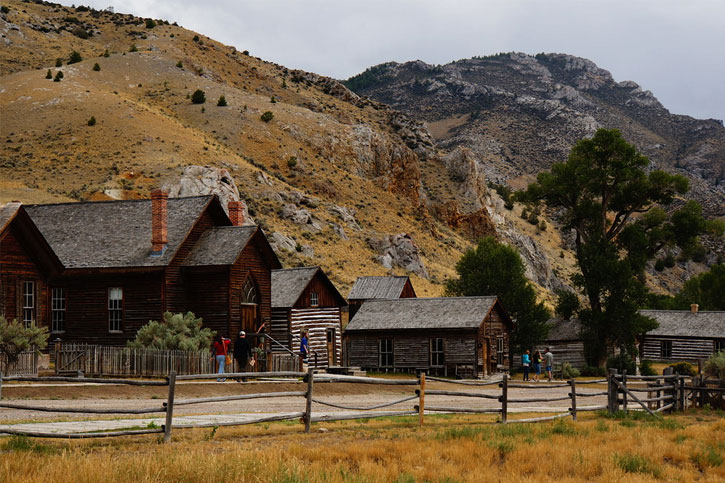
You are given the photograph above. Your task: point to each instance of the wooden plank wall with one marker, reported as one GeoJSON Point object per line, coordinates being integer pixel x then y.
{"type": "Point", "coordinates": [326, 297]}
{"type": "Point", "coordinates": [682, 349]}
{"type": "Point", "coordinates": [317, 321]}
{"type": "Point", "coordinates": [250, 262]}
{"type": "Point", "coordinates": [280, 330]}
{"type": "Point", "coordinates": [207, 295]}
{"type": "Point", "coordinates": [571, 351]}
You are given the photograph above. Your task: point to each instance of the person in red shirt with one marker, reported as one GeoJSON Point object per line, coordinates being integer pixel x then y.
{"type": "Point", "coordinates": [220, 348]}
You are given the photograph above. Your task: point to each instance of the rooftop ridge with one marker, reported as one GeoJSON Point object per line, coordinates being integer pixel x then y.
{"type": "Point", "coordinates": [76, 203]}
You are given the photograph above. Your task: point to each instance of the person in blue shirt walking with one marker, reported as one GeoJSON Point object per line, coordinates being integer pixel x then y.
{"type": "Point", "coordinates": [526, 361]}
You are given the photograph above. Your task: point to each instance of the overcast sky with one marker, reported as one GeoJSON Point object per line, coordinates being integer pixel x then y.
{"type": "Point", "coordinates": [675, 48]}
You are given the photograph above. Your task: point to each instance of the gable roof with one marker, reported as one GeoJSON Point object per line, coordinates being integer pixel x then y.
{"type": "Point", "coordinates": [564, 329]}
{"type": "Point", "coordinates": [220, 245]}
{"type": "Point", "coordinates": [377, 287]}
{"type": "Point", "coordinates": [116, 234]}
{"type": "Point", "coordinates": [289, 283]}
{"type": "Point", "coordinates": [15, 212]}
{"type": "Point", "coordinates": [8, 212]}
{"type": "Point", "coordinates": [683, 323]}
{"type": "Point", "coordinates": [423, 313]}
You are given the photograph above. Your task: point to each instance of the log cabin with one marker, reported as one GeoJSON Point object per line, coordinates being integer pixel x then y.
{"type": "Point", "coordinates": [451, 336]}
{"type": "Point", "coordinates": [372, 288]}
{"type": "Point", "coordinates": [683, 335]}
{"type": "Point", "coordinates": [305, 299]}
{"type": "Point", "coordinates": [27, 263]}
{"type": "Point", "coordinates": [565, 341]}
{"type": "Point", "coordinates": [127, 262]}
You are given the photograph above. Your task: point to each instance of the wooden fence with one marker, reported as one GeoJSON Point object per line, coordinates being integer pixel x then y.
{"type": "Point", "coordinates": [27, 365]}
{"type": "Point", "coordinates": [70, 358]}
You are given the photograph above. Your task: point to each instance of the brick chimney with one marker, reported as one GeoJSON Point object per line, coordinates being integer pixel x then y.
{"type": "Point", "coordinates": [694, 308]}
{"type": "Point", "coordinates": [159, 232]}
{"type": "Point", "coordinates": [236, 212]}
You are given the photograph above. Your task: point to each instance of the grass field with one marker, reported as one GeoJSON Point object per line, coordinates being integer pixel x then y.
{"type": "Point", "coordinates": [449, 448]}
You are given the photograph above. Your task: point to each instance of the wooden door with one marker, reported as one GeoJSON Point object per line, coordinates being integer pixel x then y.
{"type": "Point", "coordinates": [249, 317]}
{"type": "Point", "coordinates": [331, 356]}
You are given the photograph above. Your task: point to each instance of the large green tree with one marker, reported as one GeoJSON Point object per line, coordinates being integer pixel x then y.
{"type": "Point", "coordinates": [706, 289]}
{"type": "Point", "coordinates": [616, 207]}
{"type": "Point", "coordinates": [493, 268]}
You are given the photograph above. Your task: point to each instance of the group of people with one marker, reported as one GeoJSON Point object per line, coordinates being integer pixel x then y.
{"type": "Point", "coordinates": [548, 360]}
{"type": "Point", "coordinates": [243, 352]}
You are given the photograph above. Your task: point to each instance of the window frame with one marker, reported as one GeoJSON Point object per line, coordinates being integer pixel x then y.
{"type": "Point", "coordinates": [666, 349]}
{"type": "Point", "coordinates": [718, 345]}
{"type": "Point", "coordinates": [436, 354]}
{"type": "Point", "coordinates": [243, 299]}
{"type": "Point", "coordinates": [500, 351]}
{"type": "Point", "coordinates": [314, 299]}
{"type": "Point", "coordinates": [29, 309]}
{"type": "Point", "coordinates": [384, 355]}
{"type": "Point", "coordinates": [56, 311]}
{"type": "Point", "coordinates": [115, 310]}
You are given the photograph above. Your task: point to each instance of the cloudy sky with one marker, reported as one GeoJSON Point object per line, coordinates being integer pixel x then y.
{"type": "Point", "coordinates": [675, 48]}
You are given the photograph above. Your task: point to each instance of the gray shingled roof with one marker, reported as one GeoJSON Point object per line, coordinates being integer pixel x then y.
{"type": "Point", "coordinates": [683, 323]}
{"type": "Point", "coordinates": [564, 329]}
{"type": "Point", "coordinates": [220, 245]}
{"type": "Point", "coordinates": [7, 213]}
{"type": "Point", "coordinates": [422, 313]}
{"type": "Point", "coordinates": [367, 288]}
{"type": "Point", "coordinates": [106, 234]}
{"type": "Point", "coordinates": [288, 284]}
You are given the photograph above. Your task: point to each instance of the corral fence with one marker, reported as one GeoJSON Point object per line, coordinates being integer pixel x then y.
{"type": "Point", "coordinates": [27, 364]}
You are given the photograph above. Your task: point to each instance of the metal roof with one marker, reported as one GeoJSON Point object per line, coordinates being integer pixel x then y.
{"type": "Point", "coordinates": [366, 288]}
{"type": "Point", "coordinates": [683, 323]}
{"type": "Point", "coordinates": [422, 313]}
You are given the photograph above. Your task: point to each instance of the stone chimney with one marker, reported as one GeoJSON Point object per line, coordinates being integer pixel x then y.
{"type": "Point", "coordinates": [159, 212]}
{"type": "Point", "coordinates": [236, 212]}
{"type": "Point", "coordinates": [694, 308]}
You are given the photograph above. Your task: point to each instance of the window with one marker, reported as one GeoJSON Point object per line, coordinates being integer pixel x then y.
{"type": "Point", "coordinates": [666, 349]}
{"type": "Point", "coordinates": [499, 351]}
{"type": "Point", "coordinates": [330, 336]}
{"type": "Point", "coordinates": [314, 301]}
{"type": "Point", "coordinates": [386, 352]}
{"type": "Point", "coordinates": [57, 309]}
{"type": "Point", "coordinates": [719, 345]}
{"type": "Point", "coordinates": [115, 309]}
{"type": "Point", "coordinates": [249, 292]}
{"type": "Point", "coordinates": [436, 352]}
{"type": "Point", "coordinates": [28, 303]}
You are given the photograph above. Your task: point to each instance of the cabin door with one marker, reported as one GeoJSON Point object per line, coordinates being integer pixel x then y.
{"type": "Point", "coordinates": [331, 356]}
{"type": "Point", "coordinates": [249, 318]}
{"type": "Point", "coordinates": [249, 308]}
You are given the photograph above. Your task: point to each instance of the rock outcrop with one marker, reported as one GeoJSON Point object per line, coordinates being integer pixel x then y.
{"type": "Point", "coordinates": [399, 251]}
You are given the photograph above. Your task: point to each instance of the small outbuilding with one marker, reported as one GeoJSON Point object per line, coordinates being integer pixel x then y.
{"type": "Point", "coordinates": [565, 341]}
{"type": "Point", "coordinates": [305, 299]}
{"type": "Point", "coordinates": [452, 336]}
{"type": "Point", "coordinates": [374, 288]}
{"type": "Point", "coordinates": [683, 335]}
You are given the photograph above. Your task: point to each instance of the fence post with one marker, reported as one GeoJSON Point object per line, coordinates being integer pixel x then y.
{"type": "Point", "coordinates": [612, 390]}
{"type": "Point", "coordinates": [170, 407]}
{"type": "Point", "coordinates": [1, 382]}
{"type": "Point", "coordinates": [624, 393]}
{"type": "Point", "coordinates": [675, 393]}
{"type": "Point", "coordinates": [504, 398]}
{"type": "Point", "coordinates": [308, 407]}
{"type": "Point", "coordinates": [58, 354]}
{"type": "Point", "coordinates": [682, 393]}
{"type": "Point", "coordinates": [572, 383]}
{"type": "Point", "coordinates": [421, 401]}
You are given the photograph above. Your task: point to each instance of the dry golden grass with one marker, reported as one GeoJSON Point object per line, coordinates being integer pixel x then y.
{"type": "Point", "coordinates": [448, 448]}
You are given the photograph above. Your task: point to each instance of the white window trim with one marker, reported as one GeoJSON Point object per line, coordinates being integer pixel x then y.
{"type": "Point", "coordinates": [314, 299]}
{"type": "Point", "coordinates": [33, 297]}
{"type": "Point", "coordinates": [113, 309]}
{"type": "Point", "coordinates": [53, 310]}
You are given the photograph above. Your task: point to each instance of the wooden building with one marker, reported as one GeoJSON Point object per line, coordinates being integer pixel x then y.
{"type": "Point", "coordinates": [565, 341]}
{"type": "Point", "coordinates": [305, 299]}
{"type": "Point", "coordinates": [27, 263]}
{"type": "Point", "coordinates": [127, 262]}
{"type": "Point", "coordinates": [683, 335]}
{"type": "Point", "coordinates": [453, 336]}
{"type": "Point", "coordinates": [373, 288]}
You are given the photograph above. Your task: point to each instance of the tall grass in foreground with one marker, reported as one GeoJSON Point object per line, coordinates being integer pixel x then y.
{"type": "Point", "coordinates": [448, 449]}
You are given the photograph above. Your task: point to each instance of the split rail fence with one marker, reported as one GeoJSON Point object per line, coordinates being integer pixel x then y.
{"type": "Point", "coordinates": [653, 394]}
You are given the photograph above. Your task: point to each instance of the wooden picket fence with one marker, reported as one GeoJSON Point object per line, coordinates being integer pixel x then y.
{"type": "Point", "coordinates": [71, 358]}
{"type": "Point", "coordinates": [27, 365]}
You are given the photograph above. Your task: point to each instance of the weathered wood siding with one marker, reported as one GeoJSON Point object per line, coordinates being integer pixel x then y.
{"type": "Point", "coordinates": [250, 263]}
{"type": "Point", "coordinates": [325, 296]}
{"type": "Point", "coordinates": [317, 321]}
{"type": "Point", "coordinates": [18, 265]}
{"type": "Point", "coordinates": [571, 351]}
{"type": "Point", "coordinates": [690, 349]}
{"type": "Point", "coordinates": [407, 291]}
{"type": "Point", "coordinates": [207, 295]}
{"type": "Point", "coordinates": [491, 329]}
{"type": "Point", "coordinates": [280, 330]}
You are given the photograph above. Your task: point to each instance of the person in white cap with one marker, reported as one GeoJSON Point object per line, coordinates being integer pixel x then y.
{"type": "Point", "coordinates": [242, 351]}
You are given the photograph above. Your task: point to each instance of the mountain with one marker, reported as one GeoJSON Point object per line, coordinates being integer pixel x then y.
{"type": "Point", "coordinates": [520, 113]}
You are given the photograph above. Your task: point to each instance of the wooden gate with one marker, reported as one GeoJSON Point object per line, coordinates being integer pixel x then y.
{"type": "Point", "coordinates": [71, 358]}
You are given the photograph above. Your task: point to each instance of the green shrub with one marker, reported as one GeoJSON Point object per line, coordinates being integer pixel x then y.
{"type": "Point", "coordinates": [106, 53]}
{"type": "Point", "coordinates": [59, 62]}
{"type": "Point", "coordinates": [272, 100]}
{"type": "Point", "coordinates": [58, 76]}
{"type": "Point", "coordinates": [16, 338]}
{"type": "Point", "coordinates": [533, 218]}
{"type": "Point", "coordinates": [179, 65]}
{"type": "Point", "coordinates": [715, 365]}
{"type": "Point", "coordinates": [48, 75]}
{"type": "Point", "coordinates": [267, 116]}
{"type": "Point", "coordinates": [150, 23]}
{"type": "Point", "coordinates": [92, 121]}
{"type": "Point", "coordinates": [593, 371]}
{"type": "Point", "coordinates": [524, 214]}
{"type": "Point", "coordinates": [621, 362]}
{"type": "Point", "coordinates": [684, 368]}
{"type": "Point", "coordinates": [660, 264]}
{"type": "Point", "coordinates": [198, 97]}
{"type": "Point", "coordinates": [292, 161]}
{"type": "Point", "coordinates": [222, 101]}
{"type": "Point", "coordinates": [645, 368]}
{"type": "Point", "coordinates": [74, 58]}
{"type": "Point", "coordinates": [569, 372]}
{"type": "Point", "coordinates": [96, 67]}
{"type": "Point", "coordinates": [631, 463]}
{"type": "Point", "coordinates": [196, 38]}
{"type": "Point", "coordinates": [174, 332]}
{"type": "Point", "coordinates": [133, 48]}
{"type": "Point", "coordinates": [4, 9]}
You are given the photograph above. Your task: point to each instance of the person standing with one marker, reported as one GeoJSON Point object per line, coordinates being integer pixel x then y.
{"type": "Point", "coordinates": [304, 348]}
{"type": "Point", "coordinates": [549, 363]}
{"type": "Point", "coordinates": [220, 350]}
{"type": "Point", "coordinates": [525, 361]}
{"type": "Point", "coordinates": [242, 351]}
{"type": "Point", "coordinates": [537, 365]}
